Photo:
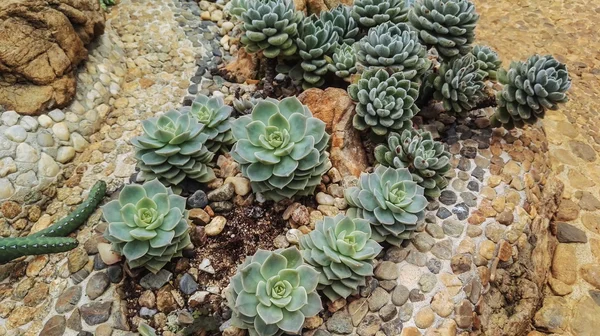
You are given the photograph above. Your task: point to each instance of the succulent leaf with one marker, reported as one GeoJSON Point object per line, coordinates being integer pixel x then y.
{"type": "Point", "coordinates": [147, 225]}
{"type": "Point", "coordinates": [488, 60]}
{"type": "Point", "coordinates": [216, 117]}
{"type": "Point", "coordinates": [343, 61]}
{"type": "Point", "coordinates": [273, 292]}
{"type": "Point", "coordinates": [343, 23]}
{"type": "Point", "coordinates": [371, 13]}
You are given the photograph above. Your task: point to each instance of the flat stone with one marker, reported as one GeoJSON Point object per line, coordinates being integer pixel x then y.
{"type": "Point", "coordinates": [424, 318]}
{"type": "Point", "coordinates": [588, 202]}
{"type": "Point", "coordinates": [567, 211]}
{"type": "Point", "coordinates": [74, 321]}
{"type": "Point", "coordinates": [453, 228]}
{"type": "Point", "coordinates": [435, 230]}
{"type": "Point", "coordinates": [165, 302]}
{"type": "Point", "coordinates": [415, 295]}
{"type": "Point", "coordinates": [448, 197]}
{"type": "Point", "coordinates": [583, 150]}
{"type": "Point", "coordinates": [216, 226]}
{"type": "Point", "coordinates": [463, 314]}
{"type": "Point", "coordinates": [26, 153]}
{"type": "Point", "coordinates": [388, 312]}
{"type": "Point", "coordinates": [554, 315]}
{"type": "Point", "coordinates": [115, 273]}
{"type": "Point", "coordinates": [442, 249]}
{"type": "Point", "coordinates": [65, 154]}
{"type": "Point", "coordinates": [567, 233]}
{"type": "Point", "coordinates": [392, 328]}
{"type": "Point", "coordinates": [340, 323]}
{"type": "Point", "coordinates": [358, 309]}
{"type": "Point", "coordinates": [378, 299]}
{"type": "Point", "coordinates": [197, 200]}
{"type": "Point", "coordinates": [16, 133]}
{"type": "Point", "coordinates": [427, 282]}
{"type": "Point", "coordinates": [156, 281]}
{"type": "Point", "coordinates": [591, 274]}
{"type": "Point", "coordinates": [442, 304]}
{"type": "Point", "coordinates": [423, 241]}
{"type": "Point", "coordinates": [369, 326]}
{"type": "Point", "coordinates": [417, 258]}
{"type": "Point", "coordinates": [564, 263]}
{"type": "Point", "coordinates": [223, 193]}
{"type": "Point", "coordinates": [585, 317]}
{"type": "Point", "coordinates": [595, 295]}
{"type": "Point", "coordinates": [68, 300]}
{"type": "Point", "coordinates": [396, 254]}
{"type": "Point", "coordinates": [187, 284]}
{"type": "Point", "coordinates": [104, 330]}
{"type": "Point", "coordinates": [97, 285]}
{"type": "Point", "coordinates": [95, 312]}
{"type": "Point", "coordinates": [55, 326]}
{"type": "Point", "coordinates": [386, 270]}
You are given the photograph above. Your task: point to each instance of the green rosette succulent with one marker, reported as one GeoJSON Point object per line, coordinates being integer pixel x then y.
{"type": "Point", "coordinates": [237, 7]}
{"type": "Point", "coordinates": [316, 40]}
{"type": "Point", "coordinates": [447, 25]}
{"type": "Point", "coordinates": [342, 251]}
{"type": "Point", "coordinates": [270, 26]}
{"type": "Point", "coordinates": [390, 200]}
{"type": "Point", "coordinates": [216, 117]}
{"type": "Point", "coordinates": [173, 148]}
{"type": "Point", "coordinates": [425, 158]}
{"type": "Point", "coordinates": [343, 61]}
{"type": "Point", "coordinates": [147, 225]}
{"type": "Point", "coordinates": [395, 47]}
{"type": "Point", "coordinates": [488, 60]}
{"type": "Point", "coordinates": [385, 103]}
{"type": "Point", "coordinates": [343, 23]}
{"type": "Point", "coordinates": [273, 292]}
{"type": "Point", "coordinates": [530, 88]}
{"type": "Point", "coordinates": [371, 13]}
{"type": "Point", "coordinates": [458, 84]}
{"type": "Point", "coordinates": [281, 148]}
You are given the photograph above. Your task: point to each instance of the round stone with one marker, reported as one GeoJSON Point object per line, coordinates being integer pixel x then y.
{"type": "Point", "coordinates": [97, 285]}
{"type": "Point", "coordinates": [386, 270]}
{"type": "Point", "coordinates": [61, 130]}
{"type": "Point", "coordinates": [424, 318]}
{"type": "Point", "coordinates": [16, 133]}
{"type": "Point", "coordinates": [6, 189]}
{"type": "Point", "coordinates": [9, 118]}
{"type": "Point", "coordinates": [215, 226]}
{"type": "Point", "coordinates": [29, 123]}
{"type": "Point", "coordinates": [57, 115]}
{"type": "Point", "coordinates": [65, 154]}
{"type": "Point", "coordinates": [427, 282]}
{"type": "Point", "coordinates": [45, 139]}
{"type": "Point", "coordinates": [26, 153]}
{"type": "Point", "coordinates": [47, 166]}
{"type": "Point", "coordinates": [45, 121]}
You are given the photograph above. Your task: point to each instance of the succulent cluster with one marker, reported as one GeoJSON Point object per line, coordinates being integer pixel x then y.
{"type": "Point", "coordinates": [147, 225]}
{"type": "Point", "coordinates": [316, 40]}
{"type": "Point", "coordinates": [395, 47]}
{"type": "Point", "coordinates": [281, 148]}
{"type": "Point", "coordinates": [342, 251]}
{"type": "Point", "coordinates": [390, 200]}
{"type": "Point", "coordinates": [216, 117]}
{"type": "Point", "coordinates": [343, 61]}
{"type": "Point", "coordinates": [386, 103]}
{"type": "Point", "coordinates": [237, 7]}
{"type": "Point", "coordinates": [488, 60]}
{"type": "Point", "coordinates": [530, 88]}
{"type": "Point", "coordinates": [273, 292]}
{"type": "Point", "coordinates": [424, 157]}
{"type": "Point", "coordinates": [173, 148]}
{"type": "Point", "coordinates": [447, 25]}
{"type": "Point", "coordinates": [343, 23]}
{"type": "Point", "coordinates": [244, 105]}
{"type": "Point", "coordinates": [106, 3]}
{"type": "Point", "coordinates": [459, 84]}
{"type": "Point", "coordinates": [370, 13]}
{"type": "Point", "coordinates": [270, 26]}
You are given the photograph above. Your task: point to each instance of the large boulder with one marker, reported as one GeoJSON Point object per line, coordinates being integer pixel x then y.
{"type": "Point", "coordinates": [336, 109]}
{"type": "Point", "coordinates": [41, 44]}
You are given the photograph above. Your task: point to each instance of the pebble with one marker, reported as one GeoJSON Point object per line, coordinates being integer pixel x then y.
{"type": "Point", "coordinates": [115, 273]}
{"type": "Point", "coordinates": [386, 270]}
{"type": "Point", "coordinates": [400, 295]}
{"type": "Point", "coordinates": [198, 298]}
{"type": "Point", "coordinates": [223, 193]}
{"type": "Point", "coordinates": [156, 281]}
{"type": "Point", "coordinates": [325, 199]}
{"type": "Point", "coordinates": [187, 284]}
{"type": "Point", "coordinates": [424, 318]}
{"type": "Point", "coordinates": [206, 266]}
{"type": "Point", "coordinates": [293, 236]}
{"type": "Point", "coordinates": [223, 206]}
{"type": "Point", "coordinates": [55, 326]}
{"type": "Point", "coordinates": [9, 118]}
{"type": "Point", "coordinates": [97, 285]}
{"type": "Point", "coordinates": [378, 299]}
{"type": "Point", "coordinates": [197, 200]}
{"type": "Point", "coordinates": [240, 184]}
{"type": "Point", "coordinates": [68, 300]}
{"type": "Point", "coordinates": [16, 133]}
{"type": "Point", "coordinates": [340, 323]}
{"type": "Point", "coordinates": [358, 309]}
{"type": "Point", "coordinates": [215, 226]}
{"type": "Point", "coordinates": [567, 233]}
{"type": "Point", "coordinates": [95, 312]}
{"type": "Point", "coordinates": [388, 312]}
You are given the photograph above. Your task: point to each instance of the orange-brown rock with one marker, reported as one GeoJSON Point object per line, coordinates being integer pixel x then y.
{"type": "Point", "coordinates": [244, 67]}
{"type": "Point", "coordinates": [41, 44]}
{"type": "Point", "coordinates": [336, 109]}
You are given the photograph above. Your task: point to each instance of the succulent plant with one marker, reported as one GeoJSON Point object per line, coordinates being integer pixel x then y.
{"type": "Point", "coordinates": [147, 225]}
{"type": "Point", "coordinates": [237, 7]}
{"type": "Point", "coordinates": [447, 25]}
{"type": "Point", "coordinates": [342, 251]}
{"type": "Point", "coordinates": [458, 84]}
{"type": "Point", "coordinates": [343, 61]}
{"type": "Point", "coordinates": [316, 40]}
{"type": "Point", "coordinates": [146, 330]}
{"type": "Point", "coordinates": [370, 13]}
{"type": "Point", "coordinates": [390, 200]}
{"type": "Point", "coordinates": [216, 117]}
{"type": "Point", "coordinates": [425, 158]}
{"type": "Point", "coordinates": [53, 238]}
{"type": "Point", "coordinates": [488, 60]}
{"type": "Point", "coordinates": [173, 148]}
{"type": "Point", "coordinates": [106, 3]}
{"type": "Point", "coordinates": [343, 23]}
{"type": "Point", "coordinates": [273, 292]}
{"type": "Point", "coordinates": [530, 88]}
{"type": "Point", "coordinates": [270, 26]}
{"type": "Point", "coordinates": [245, 105]}
{"type": "Point", "coordinates": [281, 148]}
{"type": "Point", "coordinates": [395, 47]}
{"type": "Point", "coordinates": [386, 102]}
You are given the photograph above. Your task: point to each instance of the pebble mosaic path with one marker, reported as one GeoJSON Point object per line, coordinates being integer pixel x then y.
{"type": "Point", "coordinates": [568, 30]}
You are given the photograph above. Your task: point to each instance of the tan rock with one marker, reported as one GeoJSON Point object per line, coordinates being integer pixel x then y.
{"type": "Point", "coordinates": [564, 264]}
{"type": "Point", "coordinates": [47, 40]}
{"type": "Point", "coordinates": [568, 210]}
{"type": "Point", "coordinates": [559, 288]}
{"type": "Point", "coordinates": [244, 67]}
{"type": "Point", "coordinates": [410, 331]}
{"type": "Point", "coordinates": [554, 315]}
{"type": "Point", "coordinates": [591, 274]}
{"type": "Point", "coordinates": [595, 246]}
{"type": "Point", "coordinates": [585, 317]}
{"type": "Point", "coordinates": [336, 109]}
{"type": "Point", "coordinates": [591, 222]}
{"type": "Point", "coordinates": [424, 318]}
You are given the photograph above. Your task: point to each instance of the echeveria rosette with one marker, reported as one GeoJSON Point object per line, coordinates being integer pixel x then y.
{"type": "Point", "coordinates": [273, 292]}
{"type": "Point", "coordinates": [385, 103]}
{"type": "Point", "coordinates": [390, 200]}
{"type": "Point", "coordinates": [447, 25]}
{"type": "Point", "coordinates": [343, 23]}
{"type": "Point", "coordinates": [172, 148]}
{"type": "Point", "coordinates": [459, 84]}
{"type": "Point", "coordinates": [488, 60]}
{"type": "Point", "coordinates": [281, 148]}
{"type": "Point", "coordinates": [216, 117]}
{"type": "Point", "coordinates": [395, 47]}
{"type": "Point", "coordinates": [343, 61]}
{"type": "Point", "coordinates": [530, 88]}
{"type": "Point", "coordinates": [371, 13]}
{"type": "Point", "coordinates": [342, 251]}
{"type": "Point", "coordinates": [270, 26]}
{"type": "Point", "coordinates": [147, 225]}
{"type": "Point", "coordinates": [424, 157]}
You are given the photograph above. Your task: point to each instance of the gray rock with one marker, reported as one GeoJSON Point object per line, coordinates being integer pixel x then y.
{"type": "Point", "coordinates": [396, 254]}
{"type": "Point", "coordinates": [223, 206]}
{"type": "Point", "coordinates": [80, 275]}
{"type": "Point", "coordinates": [115, 273]}
{"type": "Point", "coordinates": [387, 270]}
{"type": "Point", "coordinates": [95, 312]}
{"type": "Point", "coordinates": [442, 250]}
{"type": "Point", "coordinates": [392, 328]}
{"type": "Point", "coordinates": [16, 133]}
{"type": "Point", "coordinates": [378, 299]}
{"type": "Point", "coordinates": [448, 197]}
{"type": "Point", "coordinates": [156, 281]}
{"type": "Point", "coordinates": [416, 296]}
{"type": "Point", "coordinates": [453, 228]}
{"type": "Point", "coordinates": [74, 321]}
{"type": "Point", "coordinates": [388, 312]}
{"type": "Point", "coordinates": [400, 295]}
{"type": "Point", "coordinates": [417, 258]}
{"type": "Point", "coordinates": [369, 326]}
{"type": "Point", "coordinates": [198, 200]}
{"type": "Point", "coordinates": [434, 265]}
{"type": "Point", "coordinates": [567, 233]}
{"type": "Point", "coordinates": [68, 300]}
{"type": "Point", "coordinates": [405, 311]}
{"type": "Point", "coordinates": [340, 323]}
{"type": "Point", "coordinates": [147, 312]}
{"type": "Point", "coordinates": [55, 326]}
{"type": "Point", "coordinates": [97, 285]}
{"type": "Point", "coordinates": [423, 241]}
{"type": "Point", "coordinates": [223, 193]}
{"type": "Point", "coordinates": [595, 296]}
{"type": "Point", "coordinates": [187, 284]}
{"type": "Point", "coordinates": [435, 230]}
{"type": "Point", "coordinates": [427, 282]}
